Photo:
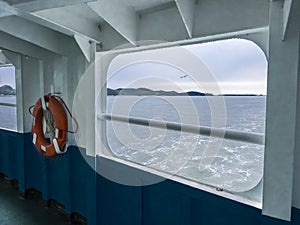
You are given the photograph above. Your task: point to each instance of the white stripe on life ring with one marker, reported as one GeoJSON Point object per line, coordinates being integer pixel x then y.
{"type": "Point", "coordinates": [43, 103]}
{"type": "Point", "coordinates": [56, 132]}
{"type": "Point", "coordinates": [56, 147]}
{"type": "Point", "coordinates": [34, 138]}
{"type": "Point", "coordinates": [43, 148]}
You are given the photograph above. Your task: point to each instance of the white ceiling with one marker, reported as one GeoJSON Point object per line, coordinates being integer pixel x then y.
{"type": "Point", "coordinates": [115, 22]}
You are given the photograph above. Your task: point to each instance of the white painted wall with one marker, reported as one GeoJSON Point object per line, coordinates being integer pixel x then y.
{"type": "Point", "coordinates": [222, 16]}
{"type": "Point", "coordinates": [165, 25]}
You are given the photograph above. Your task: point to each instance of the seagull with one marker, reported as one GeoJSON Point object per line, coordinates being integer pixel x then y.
{"type": "Point", "coordinates": [184, 76]}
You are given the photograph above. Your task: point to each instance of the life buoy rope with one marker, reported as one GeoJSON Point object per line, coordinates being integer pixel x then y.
{"type": "Point", "coordinates": [50, 108]}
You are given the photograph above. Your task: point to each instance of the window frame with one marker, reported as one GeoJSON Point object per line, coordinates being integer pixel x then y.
{"type": "Point", "coordinates": [14, 105]}
{"type": "Point", "coordinates": [109, 56]}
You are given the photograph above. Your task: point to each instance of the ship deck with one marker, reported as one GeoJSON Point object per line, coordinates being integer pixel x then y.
{"type": "Point", "coordinates": [34, 211]}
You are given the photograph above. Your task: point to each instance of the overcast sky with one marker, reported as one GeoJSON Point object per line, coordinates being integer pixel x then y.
{"type": "Point", "coordinates": [239, 66]}
{"type": "Point", "coordinates": [7, 76]}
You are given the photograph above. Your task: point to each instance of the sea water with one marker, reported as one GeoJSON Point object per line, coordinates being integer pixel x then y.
{"type": "Point", "coordinates": [8, 115]}
{"type": "Point", "coordinates": [232, 165]}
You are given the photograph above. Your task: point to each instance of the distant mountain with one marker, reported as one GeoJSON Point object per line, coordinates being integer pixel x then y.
{"type": "Point", "coordinates": [7, 90]}
{"type": "Point", "coordinates": [195, 93]}
{"type": "Point", "coordinates": [237, 95]}
{"type": "Point", "coordinates": [148, 92]}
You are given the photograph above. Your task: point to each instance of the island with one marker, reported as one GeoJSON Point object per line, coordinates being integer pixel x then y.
{"type": "Point", "coordinates": [149, 92]}
{"type": "Point", "coordinates": [7, 90]}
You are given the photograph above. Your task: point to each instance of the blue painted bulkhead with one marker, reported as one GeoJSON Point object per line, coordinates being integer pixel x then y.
{"type": "Point", "coordinates": [71, 181]}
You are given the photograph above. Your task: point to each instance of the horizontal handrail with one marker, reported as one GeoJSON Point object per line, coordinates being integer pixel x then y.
{"type": "Point", "coordinates": [198, 40]}
{"type": "Point", "coordinates": [8, 104]}
{"type": "Point", "coordinates": [253, 138]}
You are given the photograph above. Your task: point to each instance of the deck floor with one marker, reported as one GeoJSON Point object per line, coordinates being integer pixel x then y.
{"type": "Point", "coordinates": [33, 211]}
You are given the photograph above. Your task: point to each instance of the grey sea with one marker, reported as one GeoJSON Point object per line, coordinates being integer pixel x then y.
{"type": "Point", "coordinates": [8, 118]}
{"type": "Point", "coordinates": [231, 165]}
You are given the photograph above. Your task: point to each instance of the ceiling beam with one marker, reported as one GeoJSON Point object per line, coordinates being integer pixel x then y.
{"type": "Point", "coordinates": [63, 20]}
{"type": "Point", "coordinates": [14, 44]}
{"type": "Point", "coordinates": [3, 59]}
{"type": "Point", "coordinates": [38, 35]}
{"type": "Point", "coordinates": [123, 19]}
{"type": "Point", "coordinates": [84, 45]}
{"type": "Point", "coordinates": [186, 9]}
{"type": "Point", "coordinates": [6, 9]}
{"type": "Point", "coordinates": [38, 5]}
{"type": "Point", "coordinates": [111, 39]}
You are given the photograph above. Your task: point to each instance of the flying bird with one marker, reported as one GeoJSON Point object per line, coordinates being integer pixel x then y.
{"type": "Point", "coordinates": [184, 76]}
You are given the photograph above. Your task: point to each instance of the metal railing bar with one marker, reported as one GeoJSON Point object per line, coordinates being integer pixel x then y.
{"type": "Point", "coordinates": [8, 104]}
{"type": "Point", "coordinates": [253, 138]}
{"type": "Point", "coordinates": [198, 40]}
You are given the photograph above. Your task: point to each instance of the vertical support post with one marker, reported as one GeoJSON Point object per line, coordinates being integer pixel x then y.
{"type": "Point", "coordinates": [90, 108]}
{"type": "Point", "coordinates": [44, 168]}
{"type": "Point", "coordinates": [19, 91]}
{"type": "Point", "coordinates": [90, 103]}
{"type": "Point", "coordinates": [281, 112]}
{"type": "Point", "coordinates": [103, 62]}
{"type": "Point", "coordinates": [296, 193]}
{"type": "Point", "coordinates": [41, 76]}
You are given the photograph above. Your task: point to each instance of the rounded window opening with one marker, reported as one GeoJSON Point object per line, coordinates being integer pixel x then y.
{"type": "Point", "coordinates": [168, 95]}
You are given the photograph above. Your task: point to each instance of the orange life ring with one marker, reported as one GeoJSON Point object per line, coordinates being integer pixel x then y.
{"type": "Point", "coordinates": [58, 144]}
